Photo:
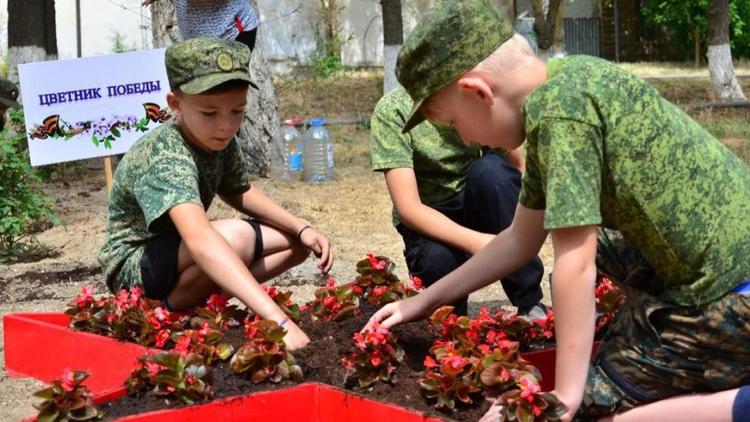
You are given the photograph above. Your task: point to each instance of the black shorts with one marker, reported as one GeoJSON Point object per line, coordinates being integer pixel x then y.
{"type": "Point", "coordinates": [159, 261]}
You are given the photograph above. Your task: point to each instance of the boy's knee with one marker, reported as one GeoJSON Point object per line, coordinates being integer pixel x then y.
{"type": "Point", "coordinates": [493, 179]}
{"type": "Point", "coordinates": [240, 237]}
{"type": "Point", "coordinates": [434, 261]}
{"type": "Point", "coordinates": [484, 168]}
{"type": "Point", "coordinates": [493, 166]}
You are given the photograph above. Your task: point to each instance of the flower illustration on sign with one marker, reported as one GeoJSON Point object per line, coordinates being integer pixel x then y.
{"type": "Point", "coordinates": [103, 131]}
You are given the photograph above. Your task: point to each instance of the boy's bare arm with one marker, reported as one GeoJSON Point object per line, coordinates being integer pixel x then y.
{"type": "Point", "coordinates": [255, 203]}
{"type": "Point", "coordinates": [402, 186]}
{"type": "Point", "coordinates": [508, 251]}
{"type": "Point", "coordinates": [218, 260]}
{"type": "Point", "coordinates": [573, 300]}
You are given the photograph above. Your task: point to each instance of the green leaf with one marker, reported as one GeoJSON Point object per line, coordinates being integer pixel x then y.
{"type": "Point", "coordinates": [95, 140]}
{"type": "Point", "coordinates": [49, 414]}
{"type": "Point", "coordinates": [115, 132]}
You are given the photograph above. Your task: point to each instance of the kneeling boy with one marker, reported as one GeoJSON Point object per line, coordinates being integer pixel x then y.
{"type": "Point", "coordinates": [158, 234]}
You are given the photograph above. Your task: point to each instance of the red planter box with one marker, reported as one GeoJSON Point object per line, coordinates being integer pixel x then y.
{"type": "Point", "coordinates": [309, 402]}
{"type": "Point", "coordinates": [40, 345]}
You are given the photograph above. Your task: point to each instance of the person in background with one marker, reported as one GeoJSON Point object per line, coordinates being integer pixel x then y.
{"type": "Point", "coordinates": [226, 19]}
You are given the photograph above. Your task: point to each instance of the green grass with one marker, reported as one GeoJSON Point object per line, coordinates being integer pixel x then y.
{"type": "Point", "coordinates": [662, 69]}
{"type": "Point", "coordinates": [738, 129]}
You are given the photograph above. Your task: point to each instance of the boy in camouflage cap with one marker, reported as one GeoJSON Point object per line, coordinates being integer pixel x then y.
{"type": "Point", "coordinates": [159, 237]}
{"type": "Point", "coordinates": [604, 149]}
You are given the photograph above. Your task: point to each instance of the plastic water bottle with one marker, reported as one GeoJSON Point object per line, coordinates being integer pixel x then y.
{"type": "Point", "coordinates": [318, 153]}
{"type": "Point", "coordinates": [286, 153]}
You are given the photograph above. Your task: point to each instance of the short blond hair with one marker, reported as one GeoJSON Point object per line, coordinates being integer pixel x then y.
{"type": "Point", "coordinates": [509, 56]}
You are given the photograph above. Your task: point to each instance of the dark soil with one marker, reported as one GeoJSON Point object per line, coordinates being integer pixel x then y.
{"type": "Point", "coordinates": [57, 277]}
{"type": "Point", "coordinates": [39, 285]}
{"type": "Point", "coordinates": [320, 362]}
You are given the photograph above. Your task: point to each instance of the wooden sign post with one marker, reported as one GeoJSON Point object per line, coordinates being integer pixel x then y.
{"type": "Point", "coordinates": [108, 173]}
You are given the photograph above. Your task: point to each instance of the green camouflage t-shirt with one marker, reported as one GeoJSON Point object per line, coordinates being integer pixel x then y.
{"type": "Point", "coordinates": [441, 161]}
{"type": "Point", "coordinates": [603, 147]}
{"type": "Point", "coordinates": [160, 171]}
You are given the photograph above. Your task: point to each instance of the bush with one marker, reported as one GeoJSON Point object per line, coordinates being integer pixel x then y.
{"type": "Point", "coordinates": [22, 203]}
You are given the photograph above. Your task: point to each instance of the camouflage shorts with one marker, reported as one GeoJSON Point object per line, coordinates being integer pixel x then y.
{"type": "Point", "coordinates": [657, 349]}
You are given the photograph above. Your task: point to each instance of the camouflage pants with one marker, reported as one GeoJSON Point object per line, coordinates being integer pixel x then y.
{"type": "Point", "coordinates": [657, 349]}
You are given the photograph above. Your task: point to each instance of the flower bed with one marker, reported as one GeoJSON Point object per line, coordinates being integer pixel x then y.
{"type": "Point", "coordinates": [446, 363]}
{"type": "Point", "coordinates": [103, 358]}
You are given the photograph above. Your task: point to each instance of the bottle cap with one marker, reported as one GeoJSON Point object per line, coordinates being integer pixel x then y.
{"type": "Point", "coordinates": [318, 121]}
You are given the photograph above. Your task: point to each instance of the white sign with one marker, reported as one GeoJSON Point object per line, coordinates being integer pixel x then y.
{"type": "Point", "coordinates": [93, 106]}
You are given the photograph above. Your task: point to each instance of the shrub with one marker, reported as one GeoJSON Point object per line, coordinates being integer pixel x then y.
{"type": "Point", "coordinates": [22, 202]}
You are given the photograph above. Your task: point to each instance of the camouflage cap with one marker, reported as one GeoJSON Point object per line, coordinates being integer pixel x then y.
{"type": "Point", "coordinates": [198, 64]}
{"type": "Point", "coordinates": [8, 94]}
{"type": "Point", "coordinates": [452, 37]}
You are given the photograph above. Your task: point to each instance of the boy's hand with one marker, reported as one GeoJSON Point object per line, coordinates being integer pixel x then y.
{"type": "Point", "coordinates": [571, 410]}
{"type": "Point", "coordinates": [395, 313]}
{"type": "Point", "coordinates": [320, 246]}
{"type": "Point", "coordinates": [295, 338]}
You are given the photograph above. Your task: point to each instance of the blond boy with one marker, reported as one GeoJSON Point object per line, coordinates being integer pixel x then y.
{"type": "Point", "coordinates": [604, 150]}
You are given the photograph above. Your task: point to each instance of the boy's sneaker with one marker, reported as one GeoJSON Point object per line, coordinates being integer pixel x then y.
{"type": "Point", "coordinates": [536, 311]}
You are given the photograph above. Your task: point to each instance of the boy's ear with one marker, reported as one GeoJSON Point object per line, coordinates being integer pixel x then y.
{"type": "Point", "coordinates": [476, 87]}
{"type": "Point", "coordinates": [173, 101]}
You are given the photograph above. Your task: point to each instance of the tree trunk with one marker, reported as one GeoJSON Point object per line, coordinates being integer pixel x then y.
{"type": "Point", "coordinates": [393, 37]}
{"type": "Point", "coordinates": [50, 30]}
{"type": "Point", "coordinates": [163, 24]}
{"type": "Point", "coordinates": [262, 120]}
{"type": "Point", "coordinates": [720, 66]}
{"type": "Point", "coordinates": [31, 33]}
{"type": "Point", "coordinates": [697, 46]}
{"type": "Point", "coordinates": [548, 27]}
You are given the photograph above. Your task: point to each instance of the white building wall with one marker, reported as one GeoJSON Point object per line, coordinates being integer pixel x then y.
{"type": "Point", "coordinates": [573, 8]}
{"type": "Point", "coordinates": [287, 31]}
